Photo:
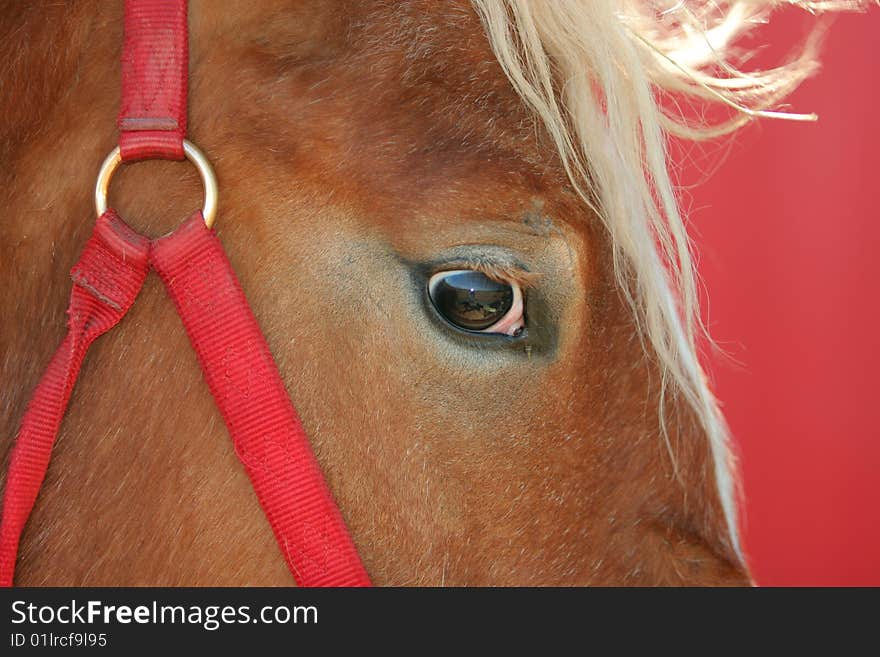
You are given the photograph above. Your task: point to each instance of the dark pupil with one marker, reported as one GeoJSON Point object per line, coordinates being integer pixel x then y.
{"type": "Point", "coordinates": [471, 300]}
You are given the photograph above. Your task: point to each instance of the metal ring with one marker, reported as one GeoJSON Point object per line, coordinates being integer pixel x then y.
{"type": "Point", "coordinates": [193, 154]}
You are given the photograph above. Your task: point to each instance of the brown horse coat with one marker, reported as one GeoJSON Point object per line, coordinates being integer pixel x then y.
{"type": "Point", "coordinates": [359, 148]}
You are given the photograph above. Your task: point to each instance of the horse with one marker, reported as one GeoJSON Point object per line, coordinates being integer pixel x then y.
{"type": "Point", "coordinates": [378, 161]}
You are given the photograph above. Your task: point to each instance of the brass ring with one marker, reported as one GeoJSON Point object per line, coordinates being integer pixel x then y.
{"type": "Point", "coordinates": [193, 154]}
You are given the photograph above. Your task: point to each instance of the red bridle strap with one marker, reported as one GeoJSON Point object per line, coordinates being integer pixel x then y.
{"type": "Point", "coordinates": [106, 281]}
{"type": "Point", "coordinates": [152, 115]}
{"type": "Point", "coordinates": [240, 371]}
{"type": "Point", "coordinates": [235, 358]}
{"type": "Point", "coordinates": [265, 429]}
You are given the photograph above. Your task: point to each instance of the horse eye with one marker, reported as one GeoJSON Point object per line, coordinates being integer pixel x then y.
{"type": "Point", "coordinates": [470, 300]}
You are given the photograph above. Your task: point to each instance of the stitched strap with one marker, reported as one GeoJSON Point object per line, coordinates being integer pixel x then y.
{"type": "Point", "coordinates": [107, 278]}
{"type": "Point", "coordinates": [152, 115]}
{"type": "Point", "coordinates": [264, 426]}
{"type": "Point", "coordinates": [235, 358]}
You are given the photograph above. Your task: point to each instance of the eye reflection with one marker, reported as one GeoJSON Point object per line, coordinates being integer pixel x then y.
{"type": "Point", "coordinates": [470, 300]}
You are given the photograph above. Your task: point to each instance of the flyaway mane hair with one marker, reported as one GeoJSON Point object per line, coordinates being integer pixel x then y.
{"type": "Point", "coordinates": [596, 73]}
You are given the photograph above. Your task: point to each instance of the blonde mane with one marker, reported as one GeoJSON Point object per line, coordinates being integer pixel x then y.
{"type": "Point", "coordinates": [596, 73]}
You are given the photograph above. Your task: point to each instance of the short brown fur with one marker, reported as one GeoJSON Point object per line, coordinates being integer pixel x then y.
{"type": "Point", "coordinates": [353, 143]}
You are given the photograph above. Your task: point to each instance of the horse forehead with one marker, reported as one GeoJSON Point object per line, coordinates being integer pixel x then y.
{"type": "Point", "coordinates": [403, 104]}
{"type": "Point", "coordinates": [413, 62]}
{"type": "Point", "coordinates": [309, 27]}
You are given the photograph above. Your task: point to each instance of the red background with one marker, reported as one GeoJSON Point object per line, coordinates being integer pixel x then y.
{"type": "Point", "coordinates": [788, 230]}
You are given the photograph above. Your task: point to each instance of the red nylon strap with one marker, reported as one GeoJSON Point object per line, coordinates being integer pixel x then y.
{"type": "Point", "coordinates": [152, 115]}
{"type": "Point", "coordinates": [107, 278]}
{"type": "Point", "coordinates": [235, 358]}
{"type": "Point", "coordinates": [238, 366]}
{"type": "Point", "coordinates": [264, 426]}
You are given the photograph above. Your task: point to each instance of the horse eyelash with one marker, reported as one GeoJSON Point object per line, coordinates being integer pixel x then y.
{"type": "Point", "coordinates": [506, 274]}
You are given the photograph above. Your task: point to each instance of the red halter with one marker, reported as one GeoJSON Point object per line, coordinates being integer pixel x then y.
{"type": "Point", "coordinates": [236, 361]}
